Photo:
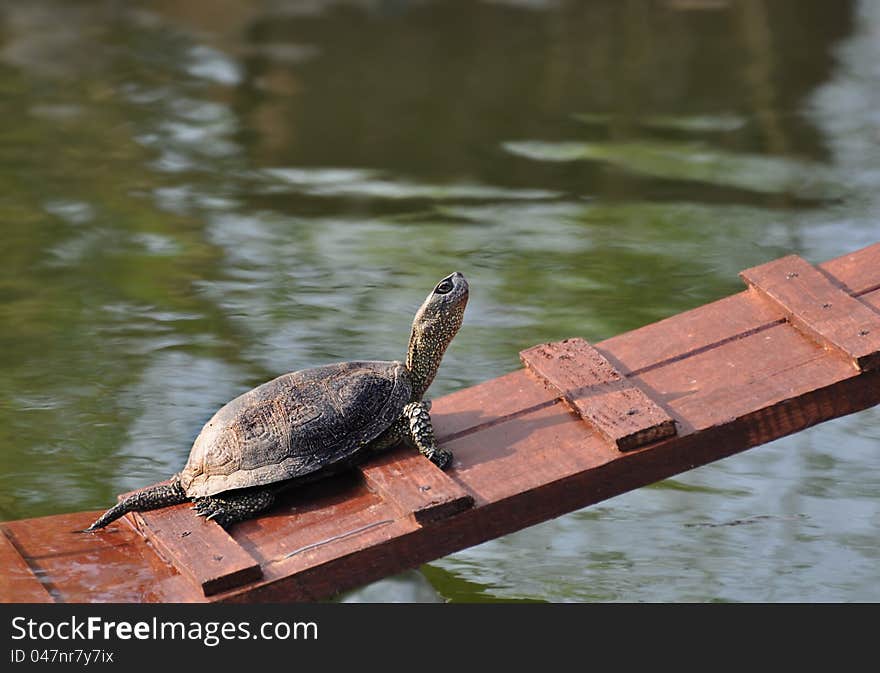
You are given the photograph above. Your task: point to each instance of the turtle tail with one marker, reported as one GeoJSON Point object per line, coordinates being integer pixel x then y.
{"type": "Point", "coordinates": [151, 497]}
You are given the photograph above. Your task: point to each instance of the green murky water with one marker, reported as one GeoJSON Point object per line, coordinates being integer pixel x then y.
{"type": "Point", "coordinates": [198, 196]}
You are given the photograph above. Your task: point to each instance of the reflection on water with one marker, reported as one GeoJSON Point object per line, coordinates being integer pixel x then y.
{"type": "Point", "coordinates": [692, 161]}
{"type": "Point", "coordinates": [197, 197]}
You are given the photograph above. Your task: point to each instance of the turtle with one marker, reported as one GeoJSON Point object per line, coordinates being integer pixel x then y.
{"type": "Point", "coordinates": [309, 424]}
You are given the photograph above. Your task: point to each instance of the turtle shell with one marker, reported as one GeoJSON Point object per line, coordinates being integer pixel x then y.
{"type": "Point", "coordinates": [295, 425]}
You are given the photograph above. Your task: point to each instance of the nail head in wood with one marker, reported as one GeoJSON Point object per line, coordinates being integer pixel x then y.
{"type": "Point", "coordinates": [819, 308]}
{"type": "Point", "coordinates": [200, 550]}
{"type": "Point", "coordinates": [623, 413]}
{"type": "Point", "coordinates": [415, 485]}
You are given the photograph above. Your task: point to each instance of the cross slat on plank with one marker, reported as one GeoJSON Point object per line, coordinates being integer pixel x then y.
{"type": "Point", "coordinates": [199, 549]}
{"type": "Point", "coordinates": [820, 309]}
{"type": "Point", "coordinates": [602, 396]}
{"type": "Point", "coordinates": [416, 486]}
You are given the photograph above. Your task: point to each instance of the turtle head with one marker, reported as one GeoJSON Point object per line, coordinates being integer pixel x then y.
{"type": "Point", "coordinates": [435, 324]}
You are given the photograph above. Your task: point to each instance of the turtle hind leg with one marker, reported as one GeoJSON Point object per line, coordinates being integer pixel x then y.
{"type": "Point", "coordinates": [234, 506]}
{"type": "Point", "coordinates": [152, 497]}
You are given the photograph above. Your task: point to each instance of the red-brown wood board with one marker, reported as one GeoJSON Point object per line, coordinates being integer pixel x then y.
{"type": "Point", "coordinates": [529, 445]}
{"type": "Point", "coordinates": [598, 393]}
{"type": "Point", "coordinates": [21, 584]}
{"type": "Point", "coordinates": [823, 311]}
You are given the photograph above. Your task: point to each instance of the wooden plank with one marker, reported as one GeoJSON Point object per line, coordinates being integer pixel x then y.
{"type": "Point", "coordinates": [599, 393]}
{"type": "Point", "coordinates": [857, 271]}
{"type": "Point", "coordinates": [746, 376]}
{"type": "Point", "coordinates": [872, 299]}
{"type": "Point", "coordinates": [416, 485]}
{"type": "Point", "coordinates": [314, 572]}
{"type": "Point", "coordinates": [692, 332]}
{"type": "Point", "coordinates": [466, 411]}
{"type": "Point", "coordinates": [201, 550]}
{"type": "Point", "coordinates": [520, 489]}
{"type": "Point", "coordinates": [819, 308]}
{"type": "Point", "coordinates": [18, 583]}
{"type": "Point", "coordinates": [313, 528]}
{"type": "Point", "coordinates": [309, 519]}
{"type": "Point", "coordinates": [115, 566]}
{"type": "Point", "coordinates": [540, 464]}
{"type": "Point", "coordinates": [732, 374]}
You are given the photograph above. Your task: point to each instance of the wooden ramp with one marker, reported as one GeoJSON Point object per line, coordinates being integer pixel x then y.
{"type": "Point", "coordinates": [578, 424]}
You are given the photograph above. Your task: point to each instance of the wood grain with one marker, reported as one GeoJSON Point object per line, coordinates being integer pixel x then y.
{"type": "Point", "coordinates": [117, 565]}
{"type": "Point", "coordinates": [18, 583]}
{"type": "Point", "coordinates": [417, 486]}
{"type": "Point", "coordinates": [600, 394]}
{"type": "Point", "coordinates": [819, 308]}
{"type": "Point", "coordinates": [201, 550]}
{"type": "Point", "coordinates": [732, 374]}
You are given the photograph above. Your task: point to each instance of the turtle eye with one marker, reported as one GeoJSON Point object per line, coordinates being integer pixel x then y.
{"type": "Point", "coordinates": [444, 287]}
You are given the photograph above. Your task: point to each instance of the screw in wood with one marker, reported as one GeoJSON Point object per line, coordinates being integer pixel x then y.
{"type": "Point", "coordinates": [792, 274]}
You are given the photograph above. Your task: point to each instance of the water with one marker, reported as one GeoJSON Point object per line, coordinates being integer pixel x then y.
{"type": "Point", "coordinates": [196, 197]}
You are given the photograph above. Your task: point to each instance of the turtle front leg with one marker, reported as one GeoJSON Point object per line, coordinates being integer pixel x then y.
{"type": "Point", "coordinates": [420, 432]}
{"type": "Point", "coordinates": [231, 507]}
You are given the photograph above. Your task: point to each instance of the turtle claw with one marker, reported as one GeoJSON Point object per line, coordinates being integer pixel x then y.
{"type": "Point", "coordinates": [204, 507]}
{"type": "Point", "coordinates": [442, 458]}
{"type": "Point", "coordinates": [211, 509]}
